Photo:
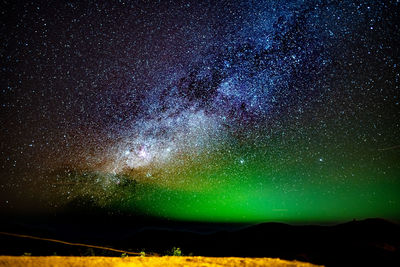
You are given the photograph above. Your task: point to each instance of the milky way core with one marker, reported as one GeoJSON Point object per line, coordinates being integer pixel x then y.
{"type": "Point", "coordinates": [219, 111]}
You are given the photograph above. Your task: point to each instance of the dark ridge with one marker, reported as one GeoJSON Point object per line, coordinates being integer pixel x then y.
{"type": "Point", "coordinates": [366, 242]}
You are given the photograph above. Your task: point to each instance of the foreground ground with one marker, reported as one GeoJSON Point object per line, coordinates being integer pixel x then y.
{"type": "Point", "coordinates": [371, 242]}
{"type": "Point", "coordinates": [58, 261]}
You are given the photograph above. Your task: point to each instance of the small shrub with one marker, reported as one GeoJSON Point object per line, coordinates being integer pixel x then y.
{"type": "Point", "coordinates": [89, 252]}
{"type": "Point", "coordinates": [176, 251]}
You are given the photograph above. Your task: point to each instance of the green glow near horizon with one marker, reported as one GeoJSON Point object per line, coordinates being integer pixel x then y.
{"type": "Point", "coordinates": [267, 188]}
{"type": "Point", "coordinates": [240, 204]}
{"type": "Point", "coordinates": [296, 177]}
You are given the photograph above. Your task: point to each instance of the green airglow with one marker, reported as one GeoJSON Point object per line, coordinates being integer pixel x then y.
{"type": "Point", "coordinates": [300, 187]}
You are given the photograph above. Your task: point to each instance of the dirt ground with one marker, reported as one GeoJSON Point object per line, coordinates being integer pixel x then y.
{"type": "Point", "coordinates": [59, 261]}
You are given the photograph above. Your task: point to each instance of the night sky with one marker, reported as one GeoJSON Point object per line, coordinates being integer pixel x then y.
{"type": "Point", "coordinates": [215, 111]}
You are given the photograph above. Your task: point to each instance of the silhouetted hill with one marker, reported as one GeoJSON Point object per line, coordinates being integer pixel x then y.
{"type": "Point", "coordinates": [371, 242]}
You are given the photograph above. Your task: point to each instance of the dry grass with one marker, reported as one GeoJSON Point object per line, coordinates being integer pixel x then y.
{"type": "Point", "coordinates": [59, 261]}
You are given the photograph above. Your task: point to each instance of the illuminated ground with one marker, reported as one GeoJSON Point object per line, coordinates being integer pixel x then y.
{"type": "Point", "coordinates": [58, 261]}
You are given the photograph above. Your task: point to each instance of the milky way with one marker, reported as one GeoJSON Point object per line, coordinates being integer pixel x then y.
{"type": "Point", "coordinates": [228, 111]}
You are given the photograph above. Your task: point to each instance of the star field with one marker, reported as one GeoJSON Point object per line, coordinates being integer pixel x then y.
{"type": "Point", "coordinates": [212, 111]}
